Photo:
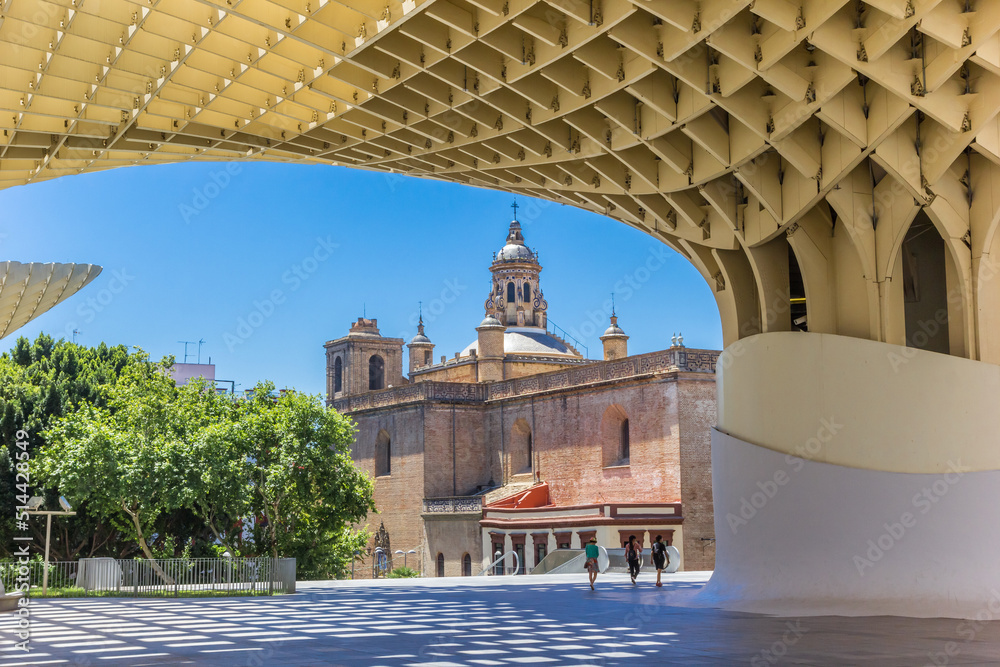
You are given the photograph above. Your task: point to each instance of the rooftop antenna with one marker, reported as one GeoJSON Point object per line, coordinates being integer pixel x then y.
{"type": "Point", "coordinates": [420, 310]}
{"type": "Point", "coordinates": [75, 333]}
{"type": "Point", "coordinates": [612, 304]}
{"type": "Point", "coordinates": [186, 343]}
{"type": "Point", "coordinates": [200, 343]}
{"type": "Point", "coordinates": [364, 310]}
{"type": "Point", "coordinates": [514, 206]}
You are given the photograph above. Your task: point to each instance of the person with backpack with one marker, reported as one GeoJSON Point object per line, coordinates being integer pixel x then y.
{"type": "Point", "coordinates": [660, 557]}
{"type": "Point", "coordinates": [633, 555]}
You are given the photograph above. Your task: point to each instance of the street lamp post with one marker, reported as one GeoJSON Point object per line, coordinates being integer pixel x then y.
{"type": "Point", "coordinates": [405, 554]}
{"type": "Point", "coordinates": [37, 501]}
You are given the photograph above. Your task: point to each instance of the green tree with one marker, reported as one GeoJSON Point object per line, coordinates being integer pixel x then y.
{"type": "Point", "coordinates": [148, 457]}
{"type": "Point", "coordinates": [126, 460]}
{"type": "Point", "coordinates": [40, 382]}
{"type": "Point", "coordinates": [307, 490]}
{"type": "Point", "coordinates": [218, 461]}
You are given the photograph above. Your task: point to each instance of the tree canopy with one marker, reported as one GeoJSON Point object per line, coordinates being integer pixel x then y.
{"type": "Point", "coordinates": [269, 474]}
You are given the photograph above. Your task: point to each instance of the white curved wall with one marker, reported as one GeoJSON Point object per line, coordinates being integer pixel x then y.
{"type": "Point", "coordinates": [861, 403]}
{"type": "Point", "coordinates": [800, 537]}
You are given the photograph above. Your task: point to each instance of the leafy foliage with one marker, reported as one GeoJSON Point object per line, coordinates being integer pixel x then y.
{"type": "Point", "coordinates": [167, 471]}
{"type": "Point", "coordinates": [402, 572]}
{"type": "Point", "coordinates": [40, 382]}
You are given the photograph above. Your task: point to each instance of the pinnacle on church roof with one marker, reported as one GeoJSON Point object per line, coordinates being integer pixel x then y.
{"type": "Point", "coordinates": [490, 321]}
{"type": "Point", "coordinates": [614, 329]}
{"type": "Point", "coordinates": [515, 250]}
{"type": "Point", "coordinates": [420, 337]}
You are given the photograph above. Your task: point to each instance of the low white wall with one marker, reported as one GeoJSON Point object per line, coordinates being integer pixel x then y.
{"type": "Point", "coordinates": [861, 403]}
{"type": "Point", "coordinates": [796, 536]}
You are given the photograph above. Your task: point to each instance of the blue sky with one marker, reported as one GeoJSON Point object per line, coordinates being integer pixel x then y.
{"type": "Point", "coordinates": [266, 262]}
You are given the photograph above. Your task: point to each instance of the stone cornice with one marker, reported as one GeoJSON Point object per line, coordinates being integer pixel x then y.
{"type": "Point", "coordinates": [671, 361]}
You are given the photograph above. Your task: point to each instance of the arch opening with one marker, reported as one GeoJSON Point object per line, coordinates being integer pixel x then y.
{"type": "Point", "coordinates": [797, 307]}
{"type": "Point", "coordinates": [925, 287]}
{"type": "Point", "coordinates": [615, 436]}
{"type": "Point", "coordinates": [376, 373]}
{"type": "Point", "coordinates": [521, 450]}
{"type": "Point", "coordinates": [383, 454]}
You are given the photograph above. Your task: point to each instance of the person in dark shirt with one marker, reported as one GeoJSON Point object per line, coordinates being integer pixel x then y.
{"type": "Point", "coordinates": [633, 554]}
{"type": "Point", "coordinates": [660, 557]}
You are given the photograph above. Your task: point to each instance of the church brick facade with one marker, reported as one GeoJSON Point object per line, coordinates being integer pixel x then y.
{"type": "Point", "coordinates": [545, 450]}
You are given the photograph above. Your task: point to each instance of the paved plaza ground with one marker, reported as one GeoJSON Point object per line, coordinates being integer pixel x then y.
{"type": "Point", "coordinates": [544, 620]}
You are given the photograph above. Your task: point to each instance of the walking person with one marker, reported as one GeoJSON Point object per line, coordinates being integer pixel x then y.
{"type": "Point", "coordinates": [660, 557]}
{"type": "Point", "coordinates": [592, 554]}
{"type": "Point", "coordinates": [633, 554]}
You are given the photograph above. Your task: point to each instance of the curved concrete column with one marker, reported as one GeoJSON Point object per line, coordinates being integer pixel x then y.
{"type": "Point", "coordinates": [847, 483]}
{"type": "Point", "coordinates": [860, 403]}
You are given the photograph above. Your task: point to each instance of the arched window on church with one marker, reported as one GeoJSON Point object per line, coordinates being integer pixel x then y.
{"type": "Point", "coordinates": [427, 357]}
{"type": "Point", "coordinates": [624, 441]}
{"type": "Point", "coordinates": [521, 449]}
{"type": "Point", "coordinates": [615, 437]}
{"type": "Point", "coordinates": [440, 565]}
{"type": "Point", "coordinates": [383, 454]}
{"type": "Point", "coordinates": [527, 292]}
{"type": "Point", "coordinates": [511, 294]}
{"type": "Point", "coordinates": [376, 372]}
{"type": "Point", "coordinates": [338, 375]}
{"type": "Point", "coordinates": [466, 565]}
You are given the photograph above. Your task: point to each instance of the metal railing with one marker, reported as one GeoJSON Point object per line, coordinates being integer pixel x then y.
{"type": "Point", "coordinates": [164, 577]}
{"type": "Point", "coordinates": [498, 567]}
{"type": "Point", "coordinates": [559, 332]}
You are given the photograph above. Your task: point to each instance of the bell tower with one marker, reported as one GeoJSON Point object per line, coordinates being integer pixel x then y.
{"type": "Point", "coordinates": [362, 361]}
{"type": "Point", "coordinates": [516, 299]}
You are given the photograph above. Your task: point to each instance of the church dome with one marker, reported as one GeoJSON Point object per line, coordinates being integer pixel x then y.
{"type": "Point", "coordinates": [513, 252]}
{"type": "Point", "coordinates": [529, 341]}
{"type": "Point", "coordinates": [490, 321]}
{"type": "Point", "coordinates": [514, 249]}
{"type": "Point", "coordinates": [421, 338]}
{"type": "Point", "coordinates": [614, 329]}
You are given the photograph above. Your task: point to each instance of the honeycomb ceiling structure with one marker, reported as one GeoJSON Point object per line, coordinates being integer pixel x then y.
{"type": "Point", "coordinates": [28, 290]}
{"type": "Point", "coordinates": [716, 126]}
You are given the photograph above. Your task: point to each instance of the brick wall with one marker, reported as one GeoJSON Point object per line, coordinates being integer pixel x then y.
{"type": "Point", "coordinates": [399, 495]}
{"type": "Point", "coordinates": [461, 372]}
{"type": "Point", "coordinates": [453, 537]}
{"type": "Point", "coordinates": [670, 457]}
{"type": "Point", "coordinates": [457, 470]}
{"type": "Point", "coordinates": [696, 416]}
{"type": "Point", "coordinates": [520, 369]}
{"type": "Point", "coordinates": [566, 437]}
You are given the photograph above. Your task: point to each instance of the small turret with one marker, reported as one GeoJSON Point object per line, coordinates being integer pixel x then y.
{"type": "Point", "coordinates": [615, 341]}
{"type": "Point", "coordinates": [421, 348]}
{"type": "Point", "coordinates": [490, 349]}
